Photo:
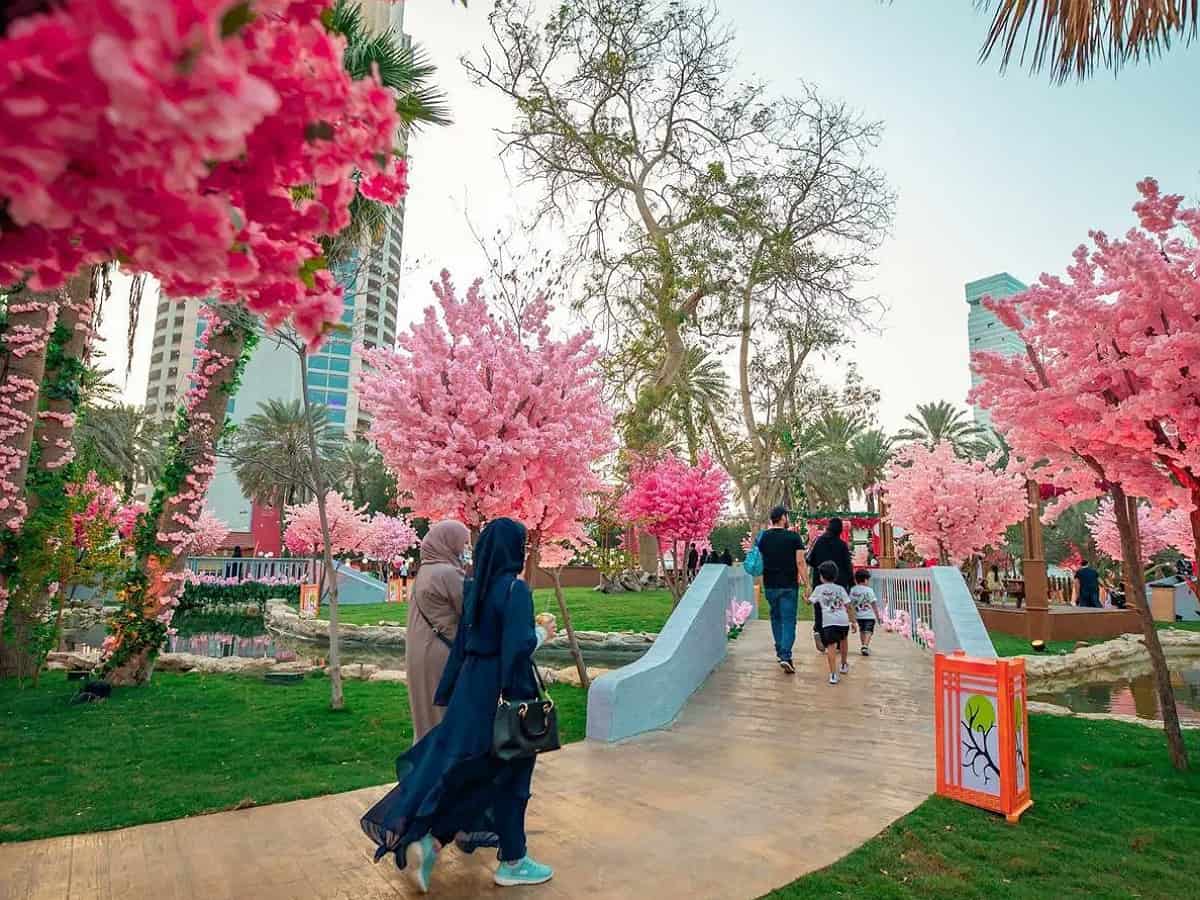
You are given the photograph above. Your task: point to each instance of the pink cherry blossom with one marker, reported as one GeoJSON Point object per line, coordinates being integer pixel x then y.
{"type": "Point", "coordinates": [1106, 393]}
{"type": "Point", "coordinates": [1159, 529]}
{"type": "Point", "coordinates": [168, 136]}
{"type": "Point", "coordinates": [952, 507]}
{"type": "Point", "coordinates": [479, 418]}
{"type": "Point", "coordinates": [675, 502]}
{"type": "Point", "coordinates": [388, 538]}
{"type": "Point", "coordinates": [348, 527]}
{"type": "Point", "coordinates": [208, 534]}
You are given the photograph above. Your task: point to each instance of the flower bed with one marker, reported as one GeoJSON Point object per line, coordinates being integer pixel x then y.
{"type": "Point", "coordinates": [210, 593]}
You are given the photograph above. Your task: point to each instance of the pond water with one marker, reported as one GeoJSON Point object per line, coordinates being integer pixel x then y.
{"type": "Point", "coordinates": [1132, 697]}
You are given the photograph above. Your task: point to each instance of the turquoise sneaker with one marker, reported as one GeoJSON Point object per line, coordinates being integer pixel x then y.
{"type": "Point", "coordinates": [423, 855]}
{"type": "Point", "coordinates": [523, 871]}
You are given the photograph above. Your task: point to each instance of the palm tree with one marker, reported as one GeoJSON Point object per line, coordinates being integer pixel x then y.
{"type": "Point", "coordinates": [123, 440]}
{"type": "Point", "coordinates": [1074, 36]}
{"type": "Point", "coordinates": [701, 385]}
{"type": "Point", "coordinates": [936, 422]}
{"type": "Point", "coordinates": [271, 453]}
{"type": "Point", "coordinates": [872, 450]}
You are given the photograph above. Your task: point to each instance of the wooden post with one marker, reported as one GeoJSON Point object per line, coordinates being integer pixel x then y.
{"type": "Point", "coordinates": [1033, 568]}
{"type": "Point", "coordinates": [887, 538]}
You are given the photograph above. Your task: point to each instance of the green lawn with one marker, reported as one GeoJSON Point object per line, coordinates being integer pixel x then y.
{"type": "Point", "coordinates": [188, 744]}
{"type": "Point", "coordinates": [1008, 645]}
{"type": "Point", "coordinates": [590, 610]}
{"type": "Point", "coordinates": [1111, 818]}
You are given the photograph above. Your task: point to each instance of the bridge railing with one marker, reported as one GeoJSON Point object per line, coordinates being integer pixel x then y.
{"type": "Point", "coordinates": [651, 692]}
{"type": "Point", "coordinates": [255, 568]}
{"type": "Point", "coordinates": [936, 598]}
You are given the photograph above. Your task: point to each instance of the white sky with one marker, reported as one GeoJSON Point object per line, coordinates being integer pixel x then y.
{"type": "Point", "coordinates": [993, 172]}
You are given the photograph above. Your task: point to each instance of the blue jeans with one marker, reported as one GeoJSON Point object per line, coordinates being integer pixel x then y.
{"type": "Point", "coordinates": [783, 603]}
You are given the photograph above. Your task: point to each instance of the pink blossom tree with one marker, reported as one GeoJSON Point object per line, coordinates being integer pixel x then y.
{"type": "Point", "coordinates": [349, 528]}
{"type": "Point", "coordinates": [677, 504]}
{"type": "Point", "coordinates": [208, 534]}
{"type": "Point", "coordinates": [952, 508]}
{"type": "Point", "coordinates": [1157, 529]}
{"type": "Point", "coordinates": [1105, 400]}
{"type": "Point", "coordinates": [388, 539]}
{"type": "Point", "coordinates": [479, 418]}
{"type": "Point", "coordinates": [230, 106]}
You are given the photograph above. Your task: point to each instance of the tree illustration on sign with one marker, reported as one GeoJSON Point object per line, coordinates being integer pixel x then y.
{"type": "Point", "coordinates": [979, 719]}
{"type": "Point", "coordinates": [1019, 722]}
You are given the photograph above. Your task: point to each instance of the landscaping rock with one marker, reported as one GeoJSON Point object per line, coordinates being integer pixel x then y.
{"type": "Point", "coordinates": [281, 619]}
{"type": "Point", "coordinates": [570, 675]}
{"type": "Point", "coordinates": [1122, 657]}
{"type": "Point", "coordinates": [395, 675]}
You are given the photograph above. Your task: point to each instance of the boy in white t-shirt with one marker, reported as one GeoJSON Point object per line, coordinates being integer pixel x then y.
{"type": "Point", "coordinates": [866, 608]}
{"type": "Point", "coordinates": [833, 604]}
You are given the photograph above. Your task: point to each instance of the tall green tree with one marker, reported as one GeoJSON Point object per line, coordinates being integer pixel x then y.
{"type": "Point", "coordinates": [121, 441]}
{"type": "Point", "coordinates": [362, 476]}
{"type": "Point", "coordinates": [872, 451]}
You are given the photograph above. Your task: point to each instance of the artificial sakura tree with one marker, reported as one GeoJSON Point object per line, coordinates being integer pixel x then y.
{"type": "Point", "coordinates": [480, 417]}
{"type": "Point", "coordinates": [347, 526]}
{"type": "Point", "coordinates": [952, 508]}
{"type": "Point", "coordinates": [676, 503]}
{"type": "Point", "coordinates": [1157, 530]}
{"type": "Point", "coordinates": [208, 534]}
{"type": "Point", "coordinates": [1105, 398]}
{"type": "Point", "coordinates": [388, 540]}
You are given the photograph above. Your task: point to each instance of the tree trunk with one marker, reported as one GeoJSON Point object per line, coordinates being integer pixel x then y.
{"type": "Point", "coordinates": [572, 641]}
{"type": "Point", "coordinates": [337, 698]}
{"type": "Point", "coordinates": [1123, 507]}
{"type": "Point", "coordinates": [160, 567]}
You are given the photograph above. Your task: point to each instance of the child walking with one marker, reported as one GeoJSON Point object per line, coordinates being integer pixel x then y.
{"type": "Point", "coordinates": [866, 609]}
{"type": "Point", "coordinates": [832, 605]}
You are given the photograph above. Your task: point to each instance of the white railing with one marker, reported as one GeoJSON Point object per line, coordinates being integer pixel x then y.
{"type": "Point", "coordinates": [255, 568]}
{"type": "Point", "coordinates": [934, 601]}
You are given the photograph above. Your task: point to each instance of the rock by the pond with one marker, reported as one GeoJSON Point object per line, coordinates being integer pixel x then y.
{"type": "Point", "coordinates": [1122, 657]}
{"type": "Point", "coordinates": [1052, 709]}
{"type": "Point", "coordinates": [395, 675]}
{"type": "Point", "coordinates": [356, 671]}
{"type": "Point", "coordinates": [281, 619]}
{"type": "Point", "coordinates": [570, 675]}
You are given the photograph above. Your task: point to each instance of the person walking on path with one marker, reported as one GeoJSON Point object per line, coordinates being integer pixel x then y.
{"type": "Point", "coordinates": [782, 555]}
{"type": "Point", "coordinates": [866, 609]}
{"type": "Point", "coordinates": [829, 547]}
{"type": "Point", "coordinates": [1088, 591]}
{"type": "Point", "coordinates": [833, 603]}
{"type": "Point", "coordinates": [450, 784]}
{"type": "Point", "coordinates": [434, 609]}
{"type": "Point", "coordinates": [726, 558]}
{"type": "Point", "coordinates": [693, 562]}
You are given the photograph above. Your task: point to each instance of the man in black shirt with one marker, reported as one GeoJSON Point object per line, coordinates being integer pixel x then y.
{"type": "Point", "coordinates": [782, 552]}
{"type": "Point", "coordinates": [1088, 593]}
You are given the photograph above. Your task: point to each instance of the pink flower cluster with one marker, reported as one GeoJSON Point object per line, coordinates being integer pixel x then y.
{"type": "Point", "coordinates": [674, 501]}
{"type": "Point", "coordinates": [17, 395]}
{"type": "Point", "coordinates": [952, 507]}
{"type": "Point", "coordinates": [191, 577]}
{"type": "Point", "coordinates": [208, 534]}
{"type": "Point", "coordinates": [737, 614]}
{"type": "Point", "coordinates": [1106, 393]}
{"type": "Point", "coordinates": [348, 527]}
{"type": "Point", "coordinates": [388, 538]}
{"type": "Point", "coordinates": [103, 504]}
{"type": "Point", "coordinates": [127, 517]}
{"type": "Point", "coordinates": [1158, 528]}
{"type": "Point", "coordinates": [187, 141]}
{"type": "Point", "coordinates": [479, 418]}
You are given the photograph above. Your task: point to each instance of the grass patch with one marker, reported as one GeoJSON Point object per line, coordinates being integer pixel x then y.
{"type": "Point", "coordinates": [1010, 645]}
{"type": "Point", "coordinates": [1111, 818]}
{"type": "Point", "coordinates": [190, 744]}
{"type": "Point", "coordinates": [590, 610]}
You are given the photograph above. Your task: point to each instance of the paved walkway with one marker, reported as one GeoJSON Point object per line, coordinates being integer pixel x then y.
{"type": "Point", "coordinates": [757, 783]}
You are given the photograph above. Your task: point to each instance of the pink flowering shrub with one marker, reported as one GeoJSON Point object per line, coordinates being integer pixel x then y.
{"type": "Point", "coordinates": [950, 507]}
{"type": "Point", "coordinates": [204, 141]}
{"type": "Point", "coordinates": [478, 418]}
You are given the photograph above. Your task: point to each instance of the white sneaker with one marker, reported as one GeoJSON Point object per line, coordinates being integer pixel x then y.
{"type": "Point", "coordinates": [845, 668]}
{"type": "Point", "coordinates": [833, 679]}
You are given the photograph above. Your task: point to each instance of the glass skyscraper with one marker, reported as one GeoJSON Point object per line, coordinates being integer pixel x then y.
{"type": "Point", "coordinates": [984, 331]}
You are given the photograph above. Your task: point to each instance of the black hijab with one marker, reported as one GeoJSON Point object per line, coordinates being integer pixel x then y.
{"type": "Point", "coordinates": [499, 558]}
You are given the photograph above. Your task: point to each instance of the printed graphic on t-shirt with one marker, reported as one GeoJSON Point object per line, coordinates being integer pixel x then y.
{"type": "Point", "coordinates": [863, 599]}
{"type": "Point", "coordinates": [834, 603]}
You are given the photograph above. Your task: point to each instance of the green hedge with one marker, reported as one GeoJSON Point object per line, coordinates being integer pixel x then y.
{"type": "Point", "coordinates": [214, 597]}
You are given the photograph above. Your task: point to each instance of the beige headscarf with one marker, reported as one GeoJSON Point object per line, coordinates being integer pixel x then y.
{"type": "Point", "coordinates": [444, 543]}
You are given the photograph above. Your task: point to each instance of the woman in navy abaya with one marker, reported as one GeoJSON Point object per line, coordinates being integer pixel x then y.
{"type": "Point", "coordinates": [451, 787]}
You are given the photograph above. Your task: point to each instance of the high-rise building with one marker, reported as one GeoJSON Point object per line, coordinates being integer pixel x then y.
{"type": "Point", "coordinates": [984, 331]}
{"type": "Point", "coordinates": [371, 282]}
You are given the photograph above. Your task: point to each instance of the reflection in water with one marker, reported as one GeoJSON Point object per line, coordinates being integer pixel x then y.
{"type": "Point", "coordinates": [1132, 697]}
{"type": "Point", "coordinates": [219, 645]}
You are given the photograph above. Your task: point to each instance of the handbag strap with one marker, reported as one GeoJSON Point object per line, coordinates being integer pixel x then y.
{"type": "Point", "coordinates": [436, 631]}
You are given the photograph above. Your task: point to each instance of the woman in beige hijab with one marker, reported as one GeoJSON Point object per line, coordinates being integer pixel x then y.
{"type": "Point", "coordinates": [434, 609]}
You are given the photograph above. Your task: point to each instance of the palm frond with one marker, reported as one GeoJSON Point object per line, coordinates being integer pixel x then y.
{"type": "Point", "coordinates": [1072, 37]}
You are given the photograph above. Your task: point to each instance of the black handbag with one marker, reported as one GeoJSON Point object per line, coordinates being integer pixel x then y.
{"type": "Point", "coordinates": [525, 728]}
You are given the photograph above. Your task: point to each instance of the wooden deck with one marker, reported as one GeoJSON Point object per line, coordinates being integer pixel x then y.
{"type": "Point", "coordinates": [764, 777]}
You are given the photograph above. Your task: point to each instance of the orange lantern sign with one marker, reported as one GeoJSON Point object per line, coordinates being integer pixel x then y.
{"type": "Point", "coordinates": [310, 601]}
{"type": "Point", "coordinates": [397, 591]}
{"type": "Point", "coordinates": [982, 721]}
